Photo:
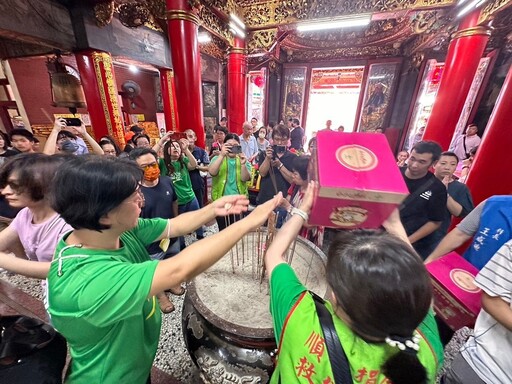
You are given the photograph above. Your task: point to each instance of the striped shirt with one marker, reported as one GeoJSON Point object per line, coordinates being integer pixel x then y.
{"type": "Point", "coordinates": [489, 351]}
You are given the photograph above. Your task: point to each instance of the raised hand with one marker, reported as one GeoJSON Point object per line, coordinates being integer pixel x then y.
{"type": "Point", "coordinates": [230, 205]}
{"type": "Point", "coordinates": [309, 197]}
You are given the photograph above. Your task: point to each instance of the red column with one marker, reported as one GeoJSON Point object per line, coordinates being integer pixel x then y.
{"type": "Point", "coordinates": [169, 99]}
{"type": "Point", "coordinates": [491, 173]}
{"type": "Point", "coordinates": [186, 61]}
{"type": "Point", "coordinates": [464, 54]}
{"type": "Point", "coordinates": [100, 89]}
{"type": "Point", "coordinates": [237, 86]}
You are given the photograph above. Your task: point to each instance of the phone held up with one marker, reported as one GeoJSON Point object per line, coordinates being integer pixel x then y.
{"type": "Point", "coordinates": [176, 136]}
{"type": "Point", "coordinates": [73, 122]}
{"type": "Point", "coordinates": [236, 149]}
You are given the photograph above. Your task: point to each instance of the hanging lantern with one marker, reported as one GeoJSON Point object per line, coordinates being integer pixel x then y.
{"type": "Point", "coordinates": [66, 88]}
{"type": "Point", "coordinates": [259, 81]}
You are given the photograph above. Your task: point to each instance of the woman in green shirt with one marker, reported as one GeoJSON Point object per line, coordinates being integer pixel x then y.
{"type": "Point", "coordinates": [179, 160]}
{"type": "Point", "coordinates": [379, 303]}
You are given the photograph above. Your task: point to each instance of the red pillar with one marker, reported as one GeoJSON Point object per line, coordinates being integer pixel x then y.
{"type": "Point", "coordinates": [491, 173]}
{"type": "Point", "coordinates": [237, 86]}
{"type": "Point", "coordinates": [169, 99]}
{"type": "Point", "coordinates": [100, 89]}
{"type": "Point", "coordinates": [182, 25]}
{"type": "Point", "coordinates": [464, 54]}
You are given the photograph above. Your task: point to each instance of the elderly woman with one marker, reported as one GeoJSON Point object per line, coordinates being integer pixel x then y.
{"type": "Point", "coordinates": [380, 293]}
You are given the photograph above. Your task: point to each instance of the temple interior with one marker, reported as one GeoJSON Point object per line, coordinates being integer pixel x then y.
{"type": "Point", "coordinates": [410, 70]}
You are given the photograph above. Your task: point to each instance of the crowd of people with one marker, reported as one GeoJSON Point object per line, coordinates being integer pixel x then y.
{"type": "Point", "coordinates": [117, 218]}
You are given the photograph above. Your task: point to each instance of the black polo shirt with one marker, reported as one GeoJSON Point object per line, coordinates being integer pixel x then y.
{"type": "Point", "coordinates": [267, 190]}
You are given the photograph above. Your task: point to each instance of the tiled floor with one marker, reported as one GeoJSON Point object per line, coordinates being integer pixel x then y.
{"type": "Point", "coordinates": [14, 301]}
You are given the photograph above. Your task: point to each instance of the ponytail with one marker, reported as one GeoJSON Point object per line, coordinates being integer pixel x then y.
{"type": "Point", "coordinates": [404, 367]}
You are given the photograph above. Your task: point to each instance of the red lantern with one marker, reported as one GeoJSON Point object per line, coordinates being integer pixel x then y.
{"type": "Point", "coordinates": [259, 81]}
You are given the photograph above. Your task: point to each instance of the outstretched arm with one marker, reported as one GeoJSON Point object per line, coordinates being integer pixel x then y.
{"type": "Point", "coordinates": [36, 269]}
{"type": "Point", "coordinates": [454, 239]}
{"type": "Point", "coordinates": [289, 231]}
{"type": "Point", "coordinates": [201, 255]}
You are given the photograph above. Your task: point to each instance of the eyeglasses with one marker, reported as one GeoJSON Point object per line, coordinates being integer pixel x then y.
{"type": "Point", "coordinates": [148, 166]}
{"type": "Point", "coordinates": [139, 198]}
{"type": "Point", "coordinates": [112, 152]}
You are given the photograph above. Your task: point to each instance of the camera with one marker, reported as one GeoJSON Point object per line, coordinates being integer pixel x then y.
{"type": "Point", "coordinates": [236, 149]}
{"type": "Point", "coordinates": [73, 122]}
{"type": "Point", "coordinates": [278, 150]}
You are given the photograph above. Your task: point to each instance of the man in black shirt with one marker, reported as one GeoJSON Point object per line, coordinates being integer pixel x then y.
{"type": "Point", "coordinates": [275, 168]}
{"type": "Point", "coordinates": [422, 212]}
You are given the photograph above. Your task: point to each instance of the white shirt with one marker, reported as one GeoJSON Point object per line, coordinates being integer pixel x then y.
{"type": "Point", "coordinates": [489, 351]}
{"type": "Point", "coordinates": [458, 146]}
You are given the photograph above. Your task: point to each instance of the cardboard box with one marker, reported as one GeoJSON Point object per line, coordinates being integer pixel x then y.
{"type": "Point", "coordinates": [456, 297]}
{"type": "Point", "coordinates": [359, 181]}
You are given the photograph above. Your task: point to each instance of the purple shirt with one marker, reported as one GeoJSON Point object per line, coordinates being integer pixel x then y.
{"type": "Point", "coordinates": [39, 240]}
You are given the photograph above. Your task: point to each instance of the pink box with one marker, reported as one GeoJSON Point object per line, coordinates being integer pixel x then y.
{"type": "Point", "coordinates": [359, 181]}
{"type": "Point", "coordinates": [456, 297]}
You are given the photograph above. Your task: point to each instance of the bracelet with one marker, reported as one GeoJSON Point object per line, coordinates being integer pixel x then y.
{"type": "Point", "coordinates": [465, 167]}
{"type": "Point", "coordinates": [301, 213]}
{"type": "Point", "coordinates": [280, 166]}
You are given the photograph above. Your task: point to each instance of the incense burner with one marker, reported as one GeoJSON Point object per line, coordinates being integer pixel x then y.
{"type": "Point", "coordinates": [227, 325]}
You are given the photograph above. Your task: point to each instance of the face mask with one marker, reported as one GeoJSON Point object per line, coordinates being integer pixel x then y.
{"type": "Point", "coordinates": [151, 173]}
{"type": "Point", "coordinates": [262, 134]}
{"type": "Point", "coordinates": [68, 146]}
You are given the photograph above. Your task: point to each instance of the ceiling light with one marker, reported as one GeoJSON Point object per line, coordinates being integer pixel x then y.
{"type": "Point", "coordinates": [237, 21]}
{"type": "Point", "coordinates": [236, 30]}
{"type": "Point", "coordinates": [133, 68]}
{"type": "Point", "coordinates": [472, 5]}
{"type": "Point", "coordinates": [203, 38]}
{"type": "Point", "coordinates": [344, 22]}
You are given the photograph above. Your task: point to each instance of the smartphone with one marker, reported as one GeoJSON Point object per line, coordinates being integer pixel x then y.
{"type": "Point", "coordinates": [176, 136]}
{"type": "Point", "coordinates": [236, 149]}
{"type": "Point", "coordinates": [73, 122]}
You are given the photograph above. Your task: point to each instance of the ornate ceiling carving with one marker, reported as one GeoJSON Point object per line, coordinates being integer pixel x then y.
{"type": "Point", "coordinates": [398, 27]}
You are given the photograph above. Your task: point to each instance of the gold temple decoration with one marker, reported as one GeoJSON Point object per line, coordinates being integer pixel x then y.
{"type": "Point", "coordinates": [492, 9]}
{"type": "Point", "coordinates": [261, 40]}
{"type": "Point", "coordinates": [103, 65]}
{"type": "Point", "coordinates": [473, 31]}
{"type": "Point", "coordinates": [103, 13]}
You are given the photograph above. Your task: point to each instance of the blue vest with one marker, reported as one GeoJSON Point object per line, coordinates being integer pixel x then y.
{"type": "Point", "coordinates": [495, 229]}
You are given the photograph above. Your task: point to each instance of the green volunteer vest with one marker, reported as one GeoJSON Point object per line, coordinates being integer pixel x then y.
{"type": "Point", "coordinates": [219, 181]}
{"type": "Point", "coordinates": [303, 358]}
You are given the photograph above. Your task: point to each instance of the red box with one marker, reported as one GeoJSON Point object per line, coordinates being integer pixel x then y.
{"type": "Point", "coordinates": [359, 181]}
{"type": "Point", "coordinates": [456, 297]}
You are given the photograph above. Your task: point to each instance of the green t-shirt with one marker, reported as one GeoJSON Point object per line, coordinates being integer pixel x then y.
{"type": "Point", "coordinates": [181, 181]}
{"type": "Point", "coordinates": [286, 289]}
{"type": "Point", "coordinates": [100, 305]}
{"type": "Point", "coordinates": [231, 186]}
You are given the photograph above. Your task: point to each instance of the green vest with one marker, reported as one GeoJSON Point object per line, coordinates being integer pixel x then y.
{"type": "Point", "coordinates": [219, 181]}
{"type": "Point", "coordinates": [303, 358]}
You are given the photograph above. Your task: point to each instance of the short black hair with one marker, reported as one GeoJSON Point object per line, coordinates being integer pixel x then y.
{"type": "Point", "coordinates": [136, 129]}
{"type": "Point", "coordinates": [300, 165]}
{"type": "Point", "coordinates": [296, 121]}
{"type": "Point", "coordinates": [224, 119]}
{"type": "Point", "coordinates": [66, 134]}
{"type": "Point", "coordinates": [22, 132]}
{"type": "Point", "coordinates": [427, 146]}
{"type": "Point", "coordinates": [222, 129]}
{"type": "Point", "coordinates": [86, 188]}
{"type": "Point", "coordinates": [233, 136]}
{"type": "Point", "coordinates": [7, 142]}
{"type": "Point", "coordinates": [281, 130]}
{"type": "Point", "coordinates": [34, 173]}
{"type": "Point", "coordinates": [138, 152]}
{"type": "Point", "coordinates": [451, 154]}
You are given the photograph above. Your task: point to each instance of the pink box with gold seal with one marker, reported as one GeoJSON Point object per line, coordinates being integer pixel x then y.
{"type": "Point", "coordinates": [456, 297]}
{"type": "Point", "coordinates": [359, 181]}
